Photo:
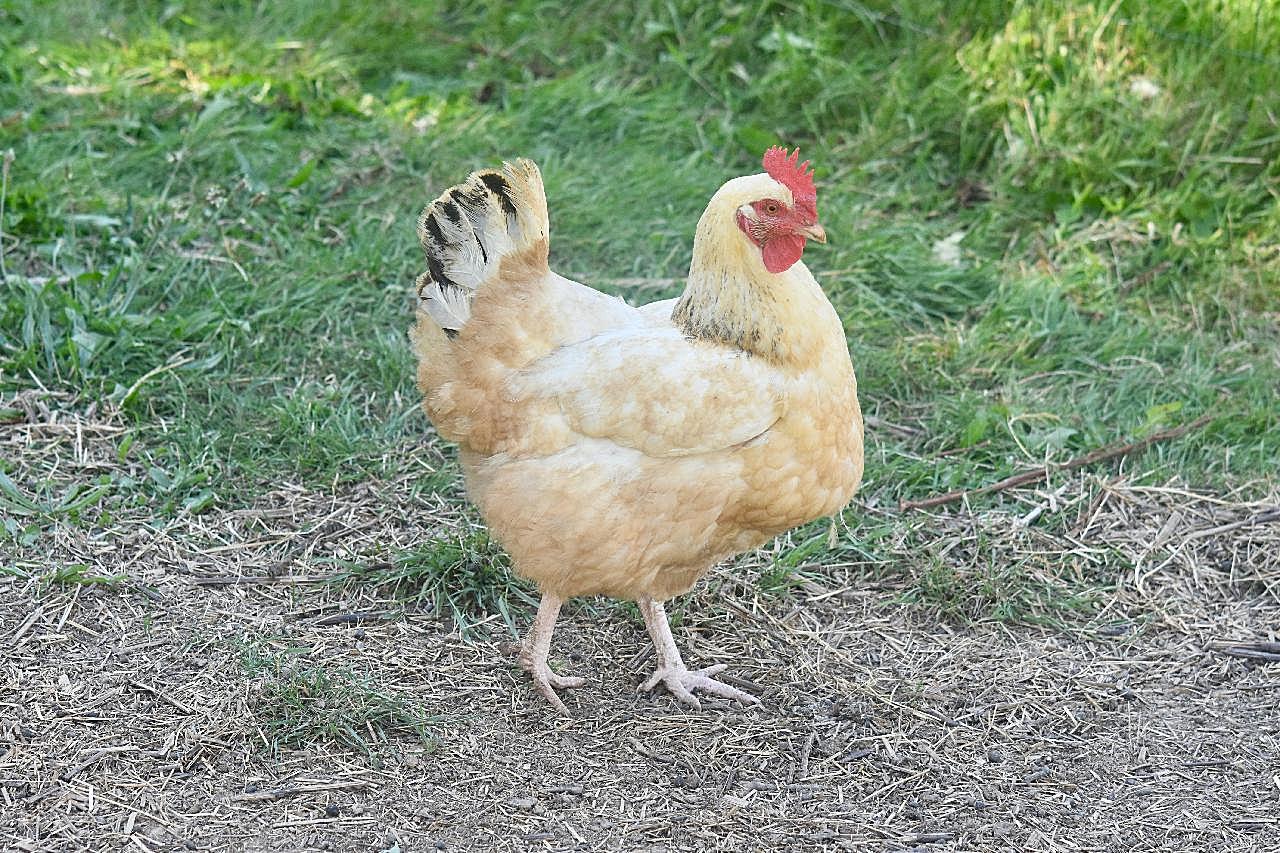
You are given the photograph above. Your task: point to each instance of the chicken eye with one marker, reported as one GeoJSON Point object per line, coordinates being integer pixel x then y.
{"type": "Point", "coordinates": [771, 208]}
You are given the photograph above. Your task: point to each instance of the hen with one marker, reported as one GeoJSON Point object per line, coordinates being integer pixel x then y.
{"type": "Point", "coordinates": [623, 451]}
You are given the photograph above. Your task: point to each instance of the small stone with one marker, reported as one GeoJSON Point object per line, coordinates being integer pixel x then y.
{"type": "Point", "coordinates": [1037, 774]}
{"type": "Point", "coordinates": [332, 810]}
{"type": "Point", "coordinates": [524, 803]}
{"type": "Point", "coordinates": [995, 756]}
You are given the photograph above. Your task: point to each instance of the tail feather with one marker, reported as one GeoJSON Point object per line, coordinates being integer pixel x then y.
{"type": "Point", "coordinates": [468, 230]}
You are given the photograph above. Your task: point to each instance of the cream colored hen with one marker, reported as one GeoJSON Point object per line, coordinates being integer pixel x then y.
{"type": "Point", "coordinates": [623, 451]}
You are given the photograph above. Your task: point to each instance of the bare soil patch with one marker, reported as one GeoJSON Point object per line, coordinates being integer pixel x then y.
{"type": "Point", "coordinates": [146, 712]}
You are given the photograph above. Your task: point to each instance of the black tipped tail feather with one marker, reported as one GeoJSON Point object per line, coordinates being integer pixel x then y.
{"type": "Point", "coordinates": [469, 229]}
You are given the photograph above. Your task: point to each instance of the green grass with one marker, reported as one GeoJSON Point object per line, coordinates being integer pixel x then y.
{"type": "Point", "coordinates": [464, 576]}
{"type": "Point", "coordinates": [78, 574]}
{"type": "Point", "coordinates": [208, 220]}
{"type": "Point", "coordinates": [299, 702]}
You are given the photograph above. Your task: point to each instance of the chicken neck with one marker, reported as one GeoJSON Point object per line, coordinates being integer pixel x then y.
{"type": "Point", "coordinates": [730, 298]}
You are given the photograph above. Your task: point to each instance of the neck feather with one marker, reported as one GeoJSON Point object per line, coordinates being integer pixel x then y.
{"type": "Point", "coordinates": [732, 299]}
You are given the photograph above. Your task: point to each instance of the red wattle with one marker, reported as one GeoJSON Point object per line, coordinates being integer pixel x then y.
{"type": "Point", "coordinates": [782, 251]}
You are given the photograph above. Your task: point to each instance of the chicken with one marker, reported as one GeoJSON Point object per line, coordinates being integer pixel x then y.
{"type": "Point", "coordinates": [623, 451]}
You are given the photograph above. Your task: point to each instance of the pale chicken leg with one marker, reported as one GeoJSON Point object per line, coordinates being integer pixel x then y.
{"type": "Point", "coordinates": [536, 646]}
{"type": "Point", "coordinates": [672, 672]}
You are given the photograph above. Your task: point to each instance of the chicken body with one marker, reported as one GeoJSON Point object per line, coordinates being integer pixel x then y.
{"type": "Point", "coordinates": [624, 451]}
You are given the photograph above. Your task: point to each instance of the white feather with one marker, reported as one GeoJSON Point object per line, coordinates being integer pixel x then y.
{"type": "Point", "coordinates": [450, 307]}
{"type": "Point", "coordinates": [470, 249]}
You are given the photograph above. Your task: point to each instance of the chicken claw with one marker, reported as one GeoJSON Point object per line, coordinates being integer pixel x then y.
{"type": "Point", "coordinates": [672, 672]}
{"type": "Point", "coordinates": [534, 651]}
{"type": "Point", "coordinates": [682, 682]}
{"type": "Point", "coordinates": [549, 682]}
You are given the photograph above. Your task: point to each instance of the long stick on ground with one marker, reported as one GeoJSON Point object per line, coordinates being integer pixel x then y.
{"type": "Point", "coordinates": [1042, 473]}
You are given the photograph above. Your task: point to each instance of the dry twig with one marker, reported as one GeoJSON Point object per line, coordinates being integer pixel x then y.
{"type": "Point", "coordinates": [1035, 475]}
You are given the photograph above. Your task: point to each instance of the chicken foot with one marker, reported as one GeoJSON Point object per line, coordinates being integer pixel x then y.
{"type": "Point", "coordinates": [672, 672]}
{"type": "Point", "coordinates": [536, 647]}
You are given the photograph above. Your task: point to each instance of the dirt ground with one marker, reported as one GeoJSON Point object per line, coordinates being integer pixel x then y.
{"type": "Point", "coordinates": [130, 718]}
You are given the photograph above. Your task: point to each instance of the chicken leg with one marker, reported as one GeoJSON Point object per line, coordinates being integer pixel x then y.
{"type": "Point", "coordinates": [536, 646]}
{"type": "Point", "coordinates": [672, 672]}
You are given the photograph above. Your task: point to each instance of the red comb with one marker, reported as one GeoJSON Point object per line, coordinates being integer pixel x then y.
{"type": "Point", "coordinates": [794, 175]}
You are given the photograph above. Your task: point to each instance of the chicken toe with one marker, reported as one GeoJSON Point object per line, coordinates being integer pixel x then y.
{"type": "Point", "coordinates": [536, 647]}
{"type": "Point", "coordinates": [548, 682]}
{"type": "Point", "coordinates": [671, 671]}
{"type": "Point", "coordinates": [682, 682]}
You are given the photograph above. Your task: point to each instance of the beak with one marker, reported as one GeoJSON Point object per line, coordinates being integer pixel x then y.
{"type": "Point", "coordinates": [814, 232]}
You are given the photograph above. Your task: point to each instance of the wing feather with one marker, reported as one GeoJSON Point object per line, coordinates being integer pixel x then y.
{"type": "Point", "coordinates": [658, 392]}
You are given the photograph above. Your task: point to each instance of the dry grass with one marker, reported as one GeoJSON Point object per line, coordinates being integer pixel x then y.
{"type": "Point", "coordinates": [198, 683]}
